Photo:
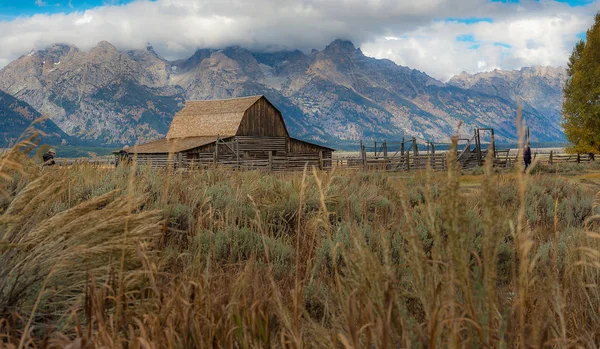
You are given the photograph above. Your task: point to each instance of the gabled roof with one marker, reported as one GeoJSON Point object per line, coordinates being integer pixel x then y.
{"type": "Point", "coordinates": [210, 118]}
{"type": "Point", "coordinates": [172, 145]}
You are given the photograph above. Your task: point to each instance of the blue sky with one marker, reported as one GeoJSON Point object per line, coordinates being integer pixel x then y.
{"type": "Point", "coordinates": [10, 9]}
{"type": "Point", "coordinates": [440, 37]}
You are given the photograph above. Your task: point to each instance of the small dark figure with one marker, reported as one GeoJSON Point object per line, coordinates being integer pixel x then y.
{"type": "Point", "coordinates": [123, 157]}
{"type": "Point", "coordinates": [527, 156]}
{"type": "Point", "coordinates": [48, 158]}
{"type": "Point", "coordinates": [591, 156]}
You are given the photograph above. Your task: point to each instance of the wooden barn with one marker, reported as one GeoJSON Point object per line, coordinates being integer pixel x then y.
{"type": "Point", "coordinates": [246, 132]}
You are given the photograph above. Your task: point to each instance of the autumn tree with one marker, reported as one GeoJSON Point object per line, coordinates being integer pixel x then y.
{"type": "Point", "coordinates": [581, 106]}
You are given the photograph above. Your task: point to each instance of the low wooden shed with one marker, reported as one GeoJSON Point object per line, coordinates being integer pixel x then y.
{"type": "Point", "coordinates": [246, 132]}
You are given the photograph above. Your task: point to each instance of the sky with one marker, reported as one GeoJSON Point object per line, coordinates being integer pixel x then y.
{"type": "Point", "coordinates": [440, 37]}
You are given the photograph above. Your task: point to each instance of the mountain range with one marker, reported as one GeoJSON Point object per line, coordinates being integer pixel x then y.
{"type": "Point", "coordinates": [537, 89]}
{"type": "Point", "coordinates": [333, 96]}
{"type": "Point", "coordinates": [16, 116]}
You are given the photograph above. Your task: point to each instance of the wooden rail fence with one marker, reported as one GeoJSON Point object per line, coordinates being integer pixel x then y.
{"type": "Point", "coordinates": [407, 162]}
{"type": "Point", "coordinates": [438, 161]}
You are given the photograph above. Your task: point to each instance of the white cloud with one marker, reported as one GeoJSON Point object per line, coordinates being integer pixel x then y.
{"type": "Point", "coordinates": [86, 19]}
{"type": "Point", "coordinates": [411, 33]}
{"type": "Point", "coordinates": [536, 35]}
{"type": "Point", "coordinates": [40, 3]}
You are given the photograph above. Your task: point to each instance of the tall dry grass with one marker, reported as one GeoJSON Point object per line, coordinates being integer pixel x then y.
{"type": "Point", "coordinates": [135, 257]}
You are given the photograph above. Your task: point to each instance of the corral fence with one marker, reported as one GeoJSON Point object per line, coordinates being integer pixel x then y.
{"type": "Point", "coordinates": [414, 154]}
{"type": "Point", "coordinates": [417, 154]}
{"type": "Point", "coordinates": [507, 159]}
{"type": "Point", "coordinates": [371, 161]}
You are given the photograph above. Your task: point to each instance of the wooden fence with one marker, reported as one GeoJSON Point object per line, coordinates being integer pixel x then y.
{"type": "Point", "coordinates": [438, 161]}
{"type": "Point", "coordinates": [365, 162]}
{"type": "Point", "coordinates": [407, 162]}
{"type": "Point", "coordinates": [505, 159]}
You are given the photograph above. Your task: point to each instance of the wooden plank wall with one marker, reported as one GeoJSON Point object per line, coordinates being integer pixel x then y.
{"type": "Point", "coordinates": [261, 153]}
{"type": "Point", "coordinates": [300, 147]}
{"type": "Point", "coordinates": [261, 144]}
{"type": "Point", "coordinates": [290, 162]}
{"type": "Point", "coordinates": [159, 160]}
{"type": "Point", "coordinates": [262, 120]}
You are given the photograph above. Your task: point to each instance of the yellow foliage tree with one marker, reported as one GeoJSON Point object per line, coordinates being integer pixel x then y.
{"type": "Point", "coordinates": [581, 106]}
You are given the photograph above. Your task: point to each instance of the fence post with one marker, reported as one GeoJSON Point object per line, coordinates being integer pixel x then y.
{"type": "Point", "coordinates": [578, 158]}
{"type": "Point", "coordinates": [550, 157]}
{"type": "Point", "coordinates": [444, 164]}
{"type": "Point", "coordinates": [216, 153]}
{"type": "Point", "coordinates": [493, 139]}
{"type": "Point", "coordinates": [362, 155]}
{"type": "Point", "coordinates": [385, 155]}
{"type": "Point", "coordinates": [402, 147]}
{"type": "Point", "coordinates": [321, 160]}
{"type": "Point", "coordinates": [415, 147]}
{"type": "Point", "coordinates": [237, 153]}
{"type": "Point", "coordinates": [478, 145]}
{"type": "Point", "coordinates": [365, 159]}
{"type": "Point", "coordinates": [407, 161]}
{"type": "Point", "coordinates": [270, 161]}
{"type": "Point", "coordinates": [385, 150]}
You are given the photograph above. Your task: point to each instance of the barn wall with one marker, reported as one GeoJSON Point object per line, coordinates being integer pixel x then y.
{"type": "Point", "coordinates": [262, 144]}
{"type": "Point", "coordinates": [262, 120]}
{"type": "Point", "coordinates": [296, 146]}
{"type": "Point", "coordinates": [157, 160]}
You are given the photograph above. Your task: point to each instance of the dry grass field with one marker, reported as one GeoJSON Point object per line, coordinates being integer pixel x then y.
{"type": "Point", "coordinates": [134, 258]}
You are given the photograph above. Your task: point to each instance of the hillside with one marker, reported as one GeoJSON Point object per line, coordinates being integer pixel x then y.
{"type": "Point", "coordinates": [334, 96]}
{"type": "Point", "coordinates": [538, 89]}
{"type": "Point", "coordinates": [103, 95]}
{"type": "Point", "coordinates": [16, 116]}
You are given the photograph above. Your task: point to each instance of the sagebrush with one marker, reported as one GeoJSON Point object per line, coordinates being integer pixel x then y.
{"type": "Point", "coordinates": [136, 257]}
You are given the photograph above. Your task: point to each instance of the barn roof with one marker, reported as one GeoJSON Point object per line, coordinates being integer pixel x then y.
{"type": "Point", "coordinates": [210, 118]}
{"type": "Point", "coordinates": [173, 145]}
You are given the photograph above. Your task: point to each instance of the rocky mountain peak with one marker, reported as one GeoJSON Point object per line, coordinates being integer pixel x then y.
{"type": "Point", "coordinates": [150, 48]}
{"type": "Point", "coordinates": [60, 48]}
{"type": "Point", "coordinates": [462, 75]}
{"type": "Point", "coordinates": [545, 71]}
{"type": "Point", "coordinates": [340, 46]}
{"type": "Point", "coordinates": [238, 53]}
{"type": "Point", "coordinates": [104, 47]}
{"type": "Point", "coordinates": [193, 61]}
